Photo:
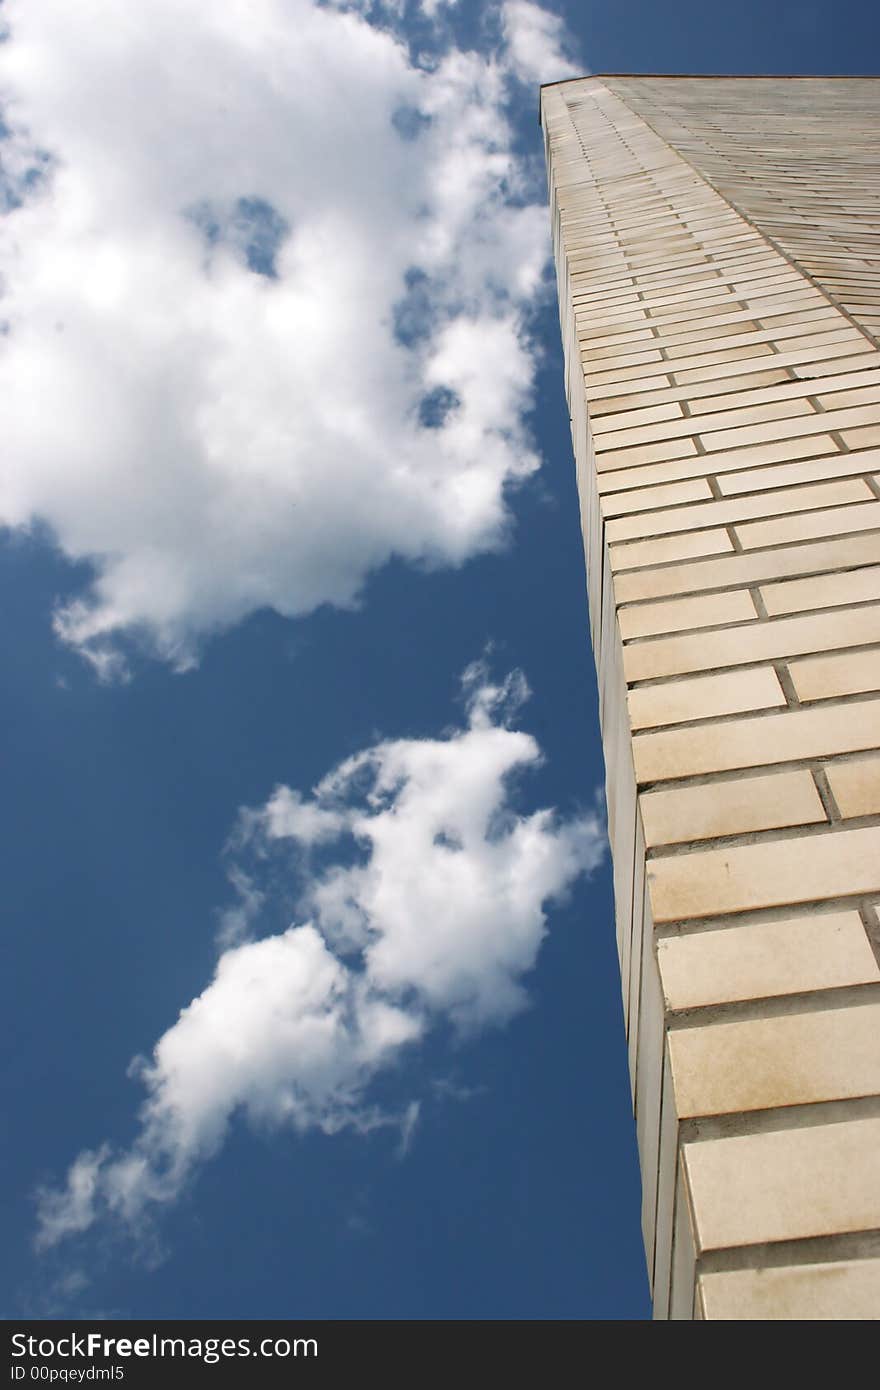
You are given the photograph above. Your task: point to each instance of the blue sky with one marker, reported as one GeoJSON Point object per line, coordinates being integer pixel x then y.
{"type": "Point", "coordinates": [286, 459]}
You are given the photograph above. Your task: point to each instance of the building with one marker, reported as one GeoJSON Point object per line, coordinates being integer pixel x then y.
{"type": "Point", "coordinates": [718, 255]}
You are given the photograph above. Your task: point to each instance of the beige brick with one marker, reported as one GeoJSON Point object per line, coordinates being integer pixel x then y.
{"type": "Point", "coordinates": [861, 438]}
{"type": "Point", "coordinates": [718, 362]}
{"type": "Point", "coordinates": [758, 741]}
{"type": "Point", "coordinates": [645, 475]}
{"type": "Point", "coordinates": [840, 382]}
{"type": "Point", "coordinates": [611, 265]}
{"type": "Point", "coordinates": [713, 290]}
{"type": "Point", "coordinates": [634, 383]}
{"type": "Point", "coordinates": [608, 358]}
{"type": "Point", "coordinates": [696, 273]}
{"type": "Point", "coordinates": [598, 326]}
{"type": "Point", "coordinates": [604, 320]}
{"type": "Point", "coordinates": [811, 328]}
{"type": "Point", "coordinates": [856, 787]}
{"type": "Point", "coordinates": [825, 591]}
{"type": "Point", "coordinates": [843, 553]}
{"type": "Point", "coordinates": [650, 453]}
{"type": "Point", "coordinates": [840, 342]}
{"type": "Point", "coordinates": [794, 298]}
{"type": "Point", "coordinates": [665, 495]}
{"type": "Point", "coordinates": [775, 277]}
{"type": "Point", "coordinates": [785, 1185]}
{"type": "Point", "coordinates": [793, 474]}
{"type": "Point", "coordinates": [668, 548]}
{"type": "Point", "coordinates": [585, 289]}
{"type": "Point", "coordinates": [735, 348]}
{"type": "Point", "coordinates": [702, 391]}
{"type": "Point", "coordinates": [840, 400]}
{"type": "Point", "coordinates": [691, 313]}
{"type": "Point", "coordinates": [773, 873]}
{"type": "Point", "coordinates": [694, 269]}
{"type": "Point", "coordinates": [593, 295]}
{"type": "Point", "coordinates": [593, 300]}
{"type": "Point", "coordinates": [861, 359]}
{"type": "Point", "coordinates": [834, 1291]}
{"type": "Point", "coordinates": [823, 677]}
{"type": "Point", "coordinates": [670, 428]}
{"type": "Point", "coordinates": [619, 317]}
{"type": "Point", "coordinates": [647, 416]}
{"type": "Point", "coordinates": [812, 496]}
{"type": "Point", "coordinates": [788, 299]}
{"type": "Point", "coordinates": [763, 960]}
{"type": "Point", "coordinates": [730, 808]}
{"type": "Point", "coordinates": [774, 321]}
{"type": "Point", "coordinates": [678, 615]}
{"type": "Point", "coordinates": [704, 697]}
{"type": "Point", "coordinates": [679, 656]}
{"type": "Point", "coordinates": [759, 1064]}
{"type": "Point", "coordinates": [793, 429]}
{"type": "Point", "coordinates": [804, 527]}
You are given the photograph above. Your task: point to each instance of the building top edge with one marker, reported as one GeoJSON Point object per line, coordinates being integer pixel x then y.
{"type": "Point", "coordinates": [709, 76]}
{"type": "Point", "coordinates": [739, 76]}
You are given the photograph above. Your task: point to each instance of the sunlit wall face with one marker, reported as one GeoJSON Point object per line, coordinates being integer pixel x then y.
{"type": "Point", "coordinates": [719, 281]}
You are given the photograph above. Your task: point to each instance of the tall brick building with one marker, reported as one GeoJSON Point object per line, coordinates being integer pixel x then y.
{"type": "Point", "coordinates": [718, 254]}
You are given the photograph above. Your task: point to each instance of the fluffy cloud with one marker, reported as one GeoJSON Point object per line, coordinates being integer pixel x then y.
{"type": "Point", "coordinates": [432, 911]}
{"type": "Point", "coordinates": [536, 42]}
{"type": "Point", "coordinates": [266, 280]}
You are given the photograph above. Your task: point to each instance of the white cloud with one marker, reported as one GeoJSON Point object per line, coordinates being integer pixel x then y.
{"type": "Point", "coordinates": [536, 41]}
{"type": "Point", "coordinates": [225, 210]}
{"type": "Point", "coordinates": [438, 919]}
{"type": "Point", "coordinates": [432, 8]}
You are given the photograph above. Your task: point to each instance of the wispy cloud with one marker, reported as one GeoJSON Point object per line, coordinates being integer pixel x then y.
{"type": "Point", "coordinates": [430, 911]}
{"type": "Point", "coordinates": [266, 284]}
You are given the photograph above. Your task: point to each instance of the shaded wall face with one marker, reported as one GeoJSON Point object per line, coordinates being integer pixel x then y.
{"type": "Point", "coordinates": [726, 421]}
{"type": "Point", "coordinates": [797, 157]}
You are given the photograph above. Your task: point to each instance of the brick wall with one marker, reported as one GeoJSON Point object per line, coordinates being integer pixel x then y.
{"type": "Point", "coordinates": [725, 405]}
